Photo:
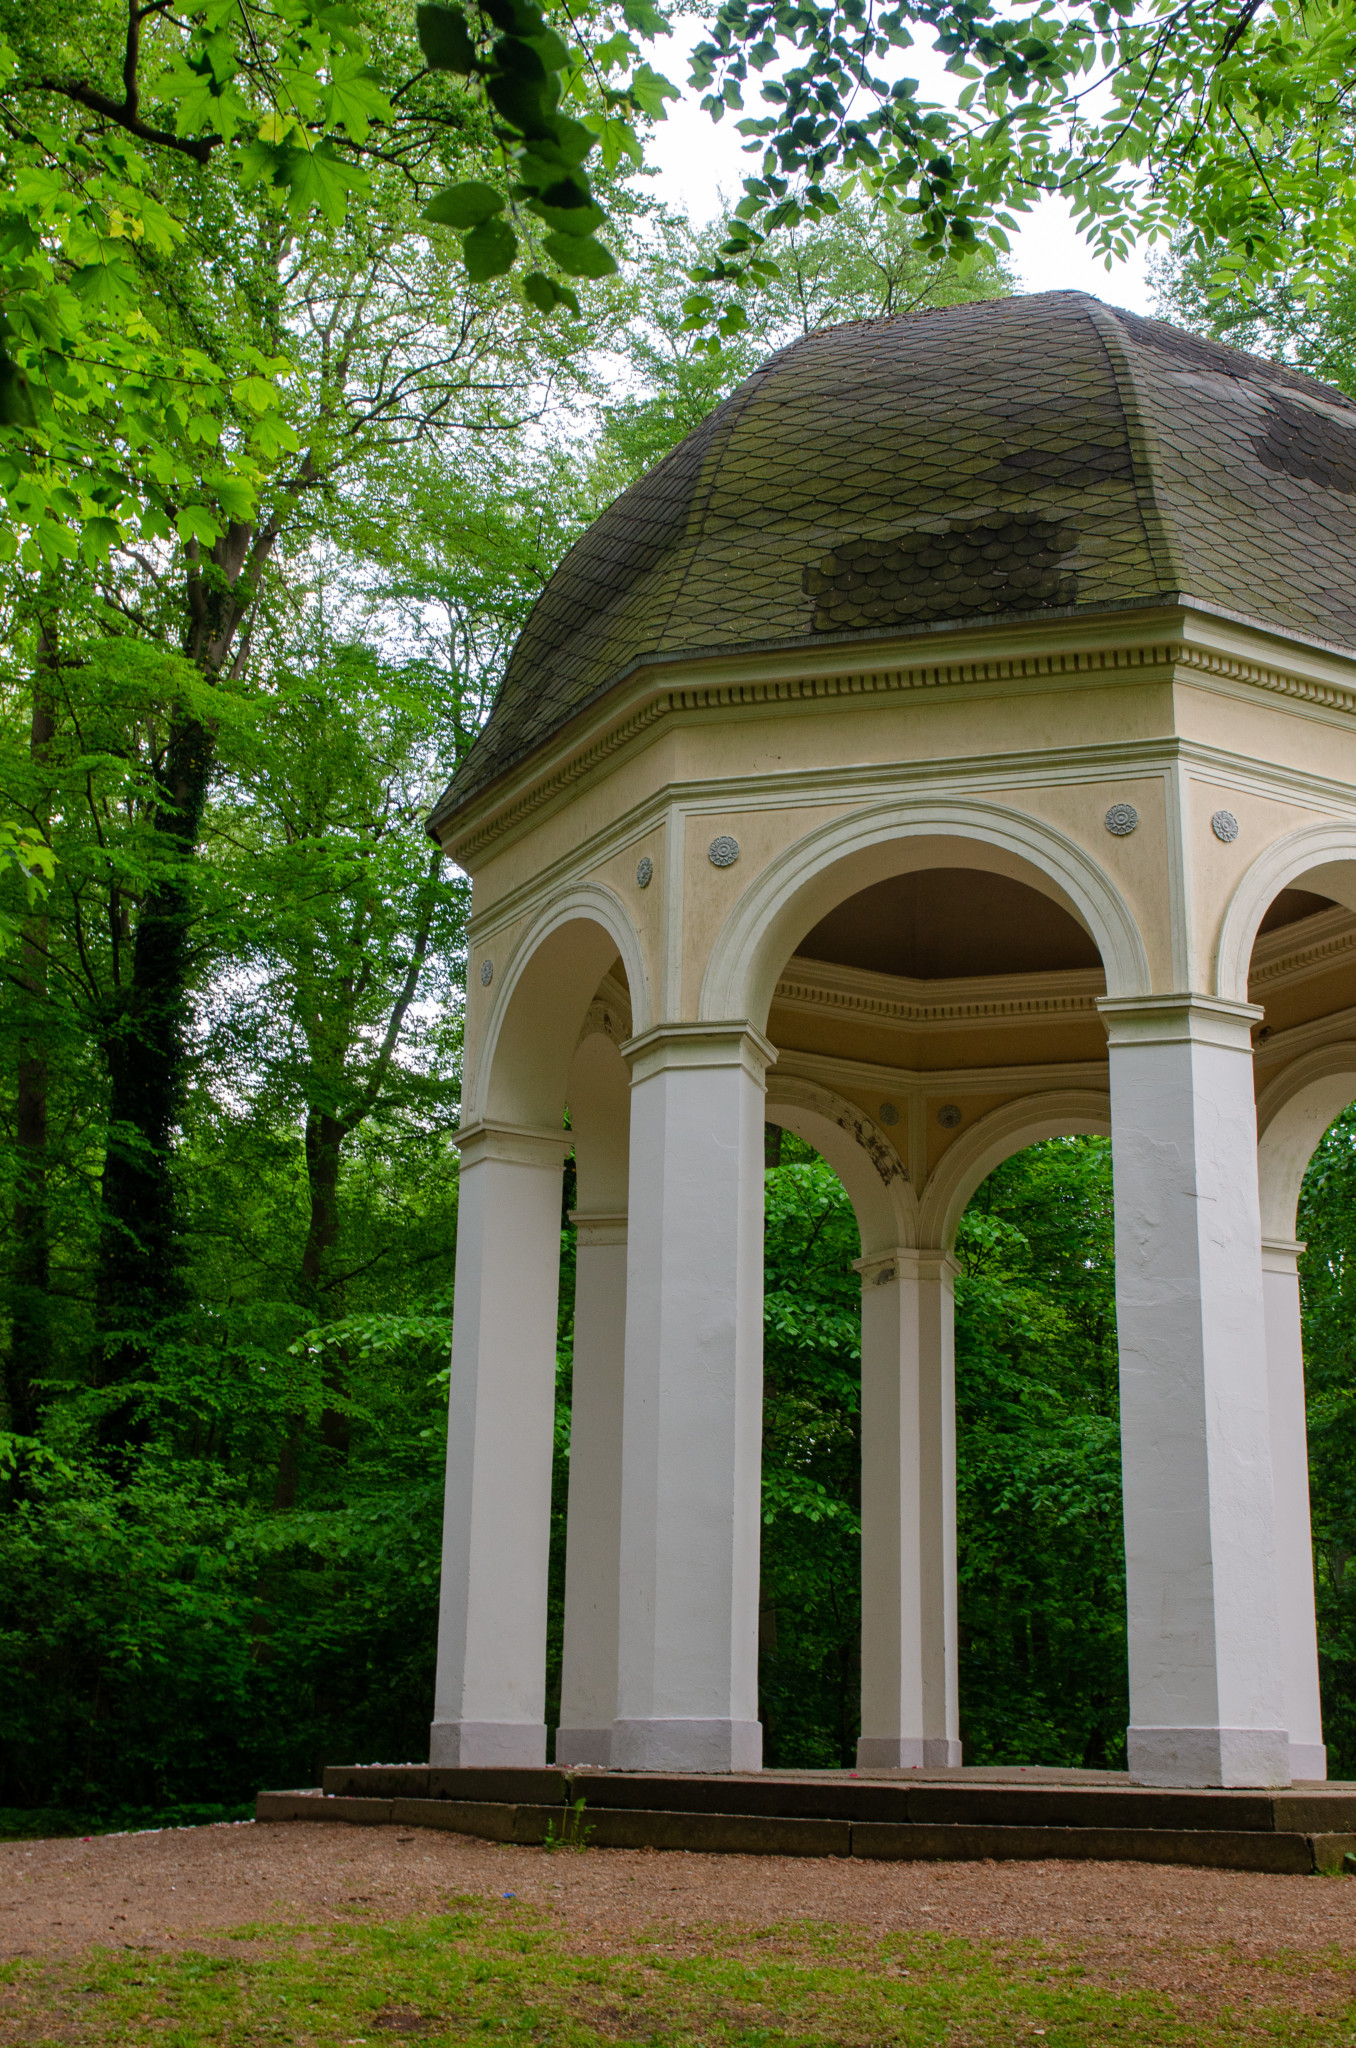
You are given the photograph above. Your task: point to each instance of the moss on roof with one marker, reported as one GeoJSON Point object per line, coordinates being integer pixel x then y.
{"type": "Point", "coordinates": [999, 459]}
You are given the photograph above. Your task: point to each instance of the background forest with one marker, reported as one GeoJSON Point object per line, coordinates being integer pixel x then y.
{"type": "Point", "coordinates": [229, 1047]}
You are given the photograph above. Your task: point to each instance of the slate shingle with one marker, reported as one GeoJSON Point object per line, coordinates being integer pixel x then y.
{"type": "Point", "coordinates": [993, 460]}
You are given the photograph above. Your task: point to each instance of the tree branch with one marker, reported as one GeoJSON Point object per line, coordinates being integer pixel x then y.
{"type": "Point", "coordinates": [125, 116]}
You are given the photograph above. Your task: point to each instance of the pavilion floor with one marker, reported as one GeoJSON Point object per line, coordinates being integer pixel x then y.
{"type": "Point", "coordinates": [965, 1814]}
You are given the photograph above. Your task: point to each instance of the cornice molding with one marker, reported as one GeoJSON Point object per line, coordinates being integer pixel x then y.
{"type": "Point", "coordinates": [1259, 675]}
{"type": "Point", "coordinates": [833, 1070]}
{"type": "Point", "coordinates": [1211, 664]}
{"type": "Point", "coordinates": [957, 1003]}
{"type": "Point", "coordinates": [1279, 1047]}
{"type": "Point", "coordinates": [781, 689]}
{"type": "Point", "coordinates": [1327, 939]}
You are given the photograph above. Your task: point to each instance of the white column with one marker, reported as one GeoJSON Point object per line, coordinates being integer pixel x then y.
{"type": "Point", "coordinates": [1206, 1693]}
{"type": "Point", "coordinates": [692, 1426]}
{"type": "Point", "coordinates": [1294, 1536]}
{"type": "Point", "coordinates": [491, 1680]}
{"type": "Point", "coordinates": [910, 1713]}
{"type": "Point", "coordinates": [588, 1685]}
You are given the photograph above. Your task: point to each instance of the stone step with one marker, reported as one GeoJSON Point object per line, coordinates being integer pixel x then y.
{"type": "Point", "coordinates": [946, 1800]}
{"type": "Point", "coordinates": [633, 1826]}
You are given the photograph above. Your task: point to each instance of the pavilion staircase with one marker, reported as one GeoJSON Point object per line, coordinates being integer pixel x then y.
{"type": "Point", "coordinates": [962, 1815]}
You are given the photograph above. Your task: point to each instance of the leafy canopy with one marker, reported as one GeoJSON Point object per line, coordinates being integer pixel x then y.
{"type": "Point", "coordinates": [1227, 121]}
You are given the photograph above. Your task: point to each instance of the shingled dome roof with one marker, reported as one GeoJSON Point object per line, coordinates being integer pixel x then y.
{"type": "Point", "coordinates": [1016, 458]}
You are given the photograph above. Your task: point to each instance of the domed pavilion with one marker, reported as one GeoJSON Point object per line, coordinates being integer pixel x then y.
{"type": "Point", "coordinates": [950, 745]}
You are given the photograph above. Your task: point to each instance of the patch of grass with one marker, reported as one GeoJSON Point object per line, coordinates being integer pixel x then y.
{"type": "Point", "coordinates": [509, 1974]}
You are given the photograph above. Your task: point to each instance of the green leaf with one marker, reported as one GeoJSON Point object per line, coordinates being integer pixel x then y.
{"type": "Point", "coordinates": [540, 291]}
{"type": "Point", "coordinates": [319, 181]}
{"type": "Point", "coordinates": [255, 392]}
{"type": "Point", "coordinates": [445, 39]}
{"type": "Point", "coordinates": [644, 19]}
{"type": "Point", "coordinates": [571, 218]}
{"type": "Point", "coordinates": [581, 256]}
{"type": "Point", "coordinates": [649, 89]}
{"type": "Point", "coordinates": [553, 52]}
{"type": "Point", "coordinates": [515, 17]}
{"type": "Point", "coordinates": [489, 250]}
{"type": "Point", "coordinates": [97, 536]}
{"type": "Point", "coordinates": [520, 59]}
{"type": "Point", "coordinates": [195, 522]}
{"type": "Point", "coordinates": [527, 104]}
{"type": "Point", "coordinates": [464, 206]}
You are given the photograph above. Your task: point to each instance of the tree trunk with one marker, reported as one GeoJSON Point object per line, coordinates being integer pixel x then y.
{"type": "Point", "coordinates": [141, 1264]}
{"type": "Point", "coordinates": [30, 1353]}
{"type": "Point", "coordinates": [325, 1137]}
{"type": "Point", "coordinates": [141, 1276]}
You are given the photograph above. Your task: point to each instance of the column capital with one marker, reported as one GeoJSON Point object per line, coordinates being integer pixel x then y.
{"type": "Point", "coordinates": [729, 1043]}
{"type": "Point", "coordinates": [1281, 1254]}
{"type": "Point", "coordinates": [515, 1144]}
{"type": "Point", "coordinates": [599, 1226]}
{"type": "Point", "coordinates": [906, 1262]}
{"type": "Point", "coordinates": [1178, 1019]}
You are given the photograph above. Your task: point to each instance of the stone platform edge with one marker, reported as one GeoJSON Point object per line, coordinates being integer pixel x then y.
{"type": "Point", "coordinates": [754, 1834]}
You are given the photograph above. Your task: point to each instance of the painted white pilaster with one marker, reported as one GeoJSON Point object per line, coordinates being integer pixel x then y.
{"type": "Point", "coordinates": [910, 1714]}
{"type": "Point", "coordinates": [588, 1686]}
{"type": "Point", "coordinates": [692, 1422]}
{"type": "Point", "coordinates": [1294, 1535]}
{"type": "Point", "coordinates": [1207, 1700]}
{"type": "Point", "coordinates": [491, 1678]}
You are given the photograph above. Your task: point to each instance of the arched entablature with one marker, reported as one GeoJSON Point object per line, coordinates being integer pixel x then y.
{"type": "Point", "coordinates": [544, 990]}
{"type": "Point", "coordinates": [1320, 857]}
{"type": "Point", "coordinates": [805, 881]}
{"type": "Point", "coordinates": [1293, 1112]}
{"type": "Point", "coordinates": [859, 1152]}
{"type": "Point", "coordinates": [966, 1164]}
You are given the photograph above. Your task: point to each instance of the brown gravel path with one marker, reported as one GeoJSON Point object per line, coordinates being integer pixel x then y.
{"type": "Point", "coordinates": [1203, 1935]}
{"type": "Point", "coordinates": [154, 1887]}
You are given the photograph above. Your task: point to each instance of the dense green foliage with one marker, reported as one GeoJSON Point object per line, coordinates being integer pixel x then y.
{"type": "Point", "coordinates": [1227, 126]}
{"type": "Point", "coordinates": [1327, 1223]}
{"type": "Point", "coordinates": [1041, 1558]}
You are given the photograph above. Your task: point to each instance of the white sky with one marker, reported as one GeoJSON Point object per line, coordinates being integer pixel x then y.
{"type": "Point", "coordinates": [700, 163]}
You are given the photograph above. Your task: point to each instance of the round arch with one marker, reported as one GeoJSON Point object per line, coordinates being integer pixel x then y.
{"type": "Point", "coordinates": [1322, 856]}
{"type": "Point", "coordinates": [965, 1165]}
{"type": "Point", "coordinates": [1293, 1112]}
{"type": "Point", "coordinates": [545, 988]}
{"type": "Point", "coordinates": [859, 1152]}
{"type": "Point", "coordinates": [808, 878]}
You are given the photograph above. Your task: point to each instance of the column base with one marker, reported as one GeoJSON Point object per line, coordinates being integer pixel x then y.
{"type": "Point", "coordinates": [575, 1746]}
{"type": "Point", "coordinates": [1308, 1762]}
{"type": "Point", "coordinates": [907, 1752]}
{"type": "Point", "coordinates": [488, 1745]}
{"type": "Point", "coordinates": [1209, 1756]}
{"type": "Point", "coordinates": [687, 1745]}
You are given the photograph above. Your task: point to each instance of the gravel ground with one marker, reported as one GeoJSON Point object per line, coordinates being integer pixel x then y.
{"type": "Point", "coordinates": [1208, 1937]}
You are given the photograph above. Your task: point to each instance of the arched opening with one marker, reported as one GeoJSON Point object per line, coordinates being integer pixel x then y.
{"type": "Point", "coordinates": [809, 1613]}
{"type": "Point", "coordinates": [1040, 1537]}
{"type": "Point", "coordinates": [548, 1082]}
{"type": "Point", "coordinates": [1326, 1226]}
{"type": "Point", "coordinates": [1302, 974]}
{"type": "Point", "coordinates": [1041, 1592]}
{"type": "Point", "coordinates": [936, 1014]}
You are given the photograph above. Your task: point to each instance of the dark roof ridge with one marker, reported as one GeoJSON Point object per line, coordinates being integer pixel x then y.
{"type": "Point", "coordinates": [1160, 529]}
